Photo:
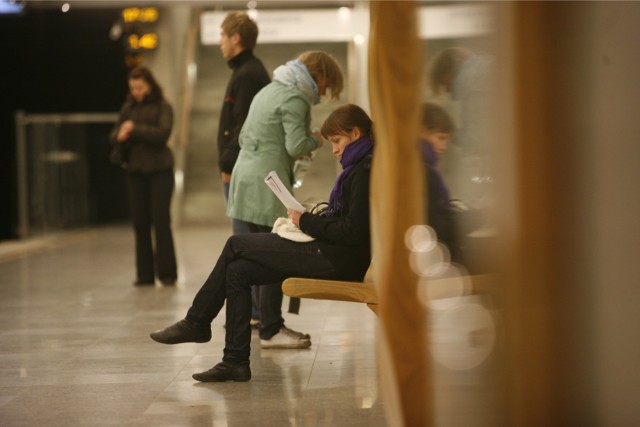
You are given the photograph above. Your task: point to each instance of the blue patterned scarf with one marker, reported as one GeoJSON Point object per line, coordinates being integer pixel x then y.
{"type": "Point", "coordinates": [294, 73]}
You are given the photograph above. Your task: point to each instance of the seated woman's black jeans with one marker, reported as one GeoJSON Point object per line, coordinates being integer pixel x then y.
{"type": "Point", "coordinates": [252, 259]}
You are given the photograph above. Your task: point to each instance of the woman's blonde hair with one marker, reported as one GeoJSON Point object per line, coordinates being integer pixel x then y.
{"type": "Point", "coordinates": [322, 64]}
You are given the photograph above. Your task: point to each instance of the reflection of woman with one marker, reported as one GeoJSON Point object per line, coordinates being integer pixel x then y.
{"type": "Point", "coordinates": [341, 250]}
{"type": "Point", "coordinates": [143, 128]}
{"type": "Point", "coordinates": [466, 78]}
{"type": "Point", "coordinates": [451, 220]}
{"type": "Point", "coordinates": [436, 131]}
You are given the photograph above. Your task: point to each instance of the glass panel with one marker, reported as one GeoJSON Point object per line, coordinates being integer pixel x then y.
{"type": "Point", "coordinates": [70, 182]}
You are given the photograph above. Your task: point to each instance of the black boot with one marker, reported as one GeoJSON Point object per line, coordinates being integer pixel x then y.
{"type": "Point", "coordinates": [182, 331]}
{"type": "Point", "coordinates": [225, 371]}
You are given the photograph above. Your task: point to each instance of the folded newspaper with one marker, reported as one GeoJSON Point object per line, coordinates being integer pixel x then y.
{"type": "Point", "coordinates": [275, 184]}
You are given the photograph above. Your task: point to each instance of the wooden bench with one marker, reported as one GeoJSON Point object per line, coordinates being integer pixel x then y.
{"type": "Point", "coordinates": [335, 290]}
{"type": "Point", "coordinates": [365, 292]}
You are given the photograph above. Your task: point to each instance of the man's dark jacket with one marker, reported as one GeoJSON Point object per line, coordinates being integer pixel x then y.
{"type": "Point", "coordinates": [249, 76]}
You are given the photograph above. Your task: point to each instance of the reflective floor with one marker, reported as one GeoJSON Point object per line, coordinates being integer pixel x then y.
{"type": "Point", "coordinates": [75, 347]}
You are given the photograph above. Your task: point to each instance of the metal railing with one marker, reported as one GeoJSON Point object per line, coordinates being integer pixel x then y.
{"type": "Point", "coordinates": [62, 164]}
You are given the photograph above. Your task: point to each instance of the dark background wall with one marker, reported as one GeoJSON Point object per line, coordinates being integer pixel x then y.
{"type": "Point", "coordinates": [53, 62]}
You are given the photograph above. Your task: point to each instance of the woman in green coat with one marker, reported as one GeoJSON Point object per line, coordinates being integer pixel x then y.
{"type": "Point", "coordinates": [277, 132]}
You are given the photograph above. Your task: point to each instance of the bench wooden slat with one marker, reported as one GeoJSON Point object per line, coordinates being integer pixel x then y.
{"type": "Point", "coordinates": [335, 290]}
{"type": "Point", "coordinates": [365, 292]}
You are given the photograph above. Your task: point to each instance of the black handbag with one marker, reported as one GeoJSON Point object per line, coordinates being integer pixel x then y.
{"type": "Point", "coordinates": [319, 208]}
{"type": "Point", "coordinates": [119, 155]}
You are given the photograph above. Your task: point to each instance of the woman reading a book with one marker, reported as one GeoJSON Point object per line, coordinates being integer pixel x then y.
{"type": "Point", "coordinates": [340, 250]}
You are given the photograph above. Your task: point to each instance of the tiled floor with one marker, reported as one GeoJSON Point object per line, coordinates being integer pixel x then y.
{"type": "Point", "coordinates": [75, 349]}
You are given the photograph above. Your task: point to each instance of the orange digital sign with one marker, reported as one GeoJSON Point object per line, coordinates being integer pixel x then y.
{"type": "Point", "coordinates": [143, 41]}
{"type": "Point", "coordinates": [140, 14]}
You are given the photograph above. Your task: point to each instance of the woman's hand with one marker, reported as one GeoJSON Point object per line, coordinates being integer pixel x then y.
{"type": "Point", "coordinates": [125, 130]}
{"type": "Point", "coordinates": [294, 216]}
{"type": "Point", "coordinates": [317, 133]}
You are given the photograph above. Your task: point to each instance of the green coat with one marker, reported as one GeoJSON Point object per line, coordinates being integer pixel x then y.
{"type": "Point", "coordinates": [275, 133]}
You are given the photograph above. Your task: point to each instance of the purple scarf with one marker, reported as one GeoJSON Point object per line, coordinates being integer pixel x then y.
{"type": "Point", "coordinates": [431, 160]}
{"type": "Point", "coordinates": [352, 154]}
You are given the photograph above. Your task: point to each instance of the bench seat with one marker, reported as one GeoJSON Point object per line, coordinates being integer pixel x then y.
{"type": "Point", "coordinates": [366, 292]}
{"type": "Point", "coordinates": [335, 290]}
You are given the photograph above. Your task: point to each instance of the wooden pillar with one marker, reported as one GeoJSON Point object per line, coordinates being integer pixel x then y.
{"type": "Point", "coordinates": [546, 319]}
{"type": "Point", "coordinates": [395, 76]}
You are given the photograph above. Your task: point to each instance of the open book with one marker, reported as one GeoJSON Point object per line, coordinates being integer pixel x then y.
{"type": "Point", "coordinates": [275, 184]}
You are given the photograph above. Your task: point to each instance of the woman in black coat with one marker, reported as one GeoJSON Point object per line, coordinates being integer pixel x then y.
{"type": "Point", "coordinates": [140, 144]}
{"type": "Point", "coordinates": [335, 245]}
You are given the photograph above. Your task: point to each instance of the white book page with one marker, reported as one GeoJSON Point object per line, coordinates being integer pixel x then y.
{"type": "Point", "coordinates": [275, 184]}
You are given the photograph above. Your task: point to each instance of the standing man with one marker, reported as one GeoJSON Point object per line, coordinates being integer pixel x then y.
{"type": "Point", "coordinates": [238, 37]}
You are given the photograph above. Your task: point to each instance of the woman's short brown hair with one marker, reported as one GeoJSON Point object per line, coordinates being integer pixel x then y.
{"type": "Point", "coordinates": [436, 119]}
{"type": "Point", "coordinates": [322, 64]}
{"type": "Point", "coordinates": [344, 119]}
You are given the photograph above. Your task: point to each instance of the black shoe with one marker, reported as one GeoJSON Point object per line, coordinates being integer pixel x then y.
{"type": "Point", "coordinates": [225, 371]}
{"type": "Point", "coordinates": [182, 331]}
{"type": "Point", "coordinates": [168, 281]}
{"type": "Point", "coordinates": [141, 282]}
